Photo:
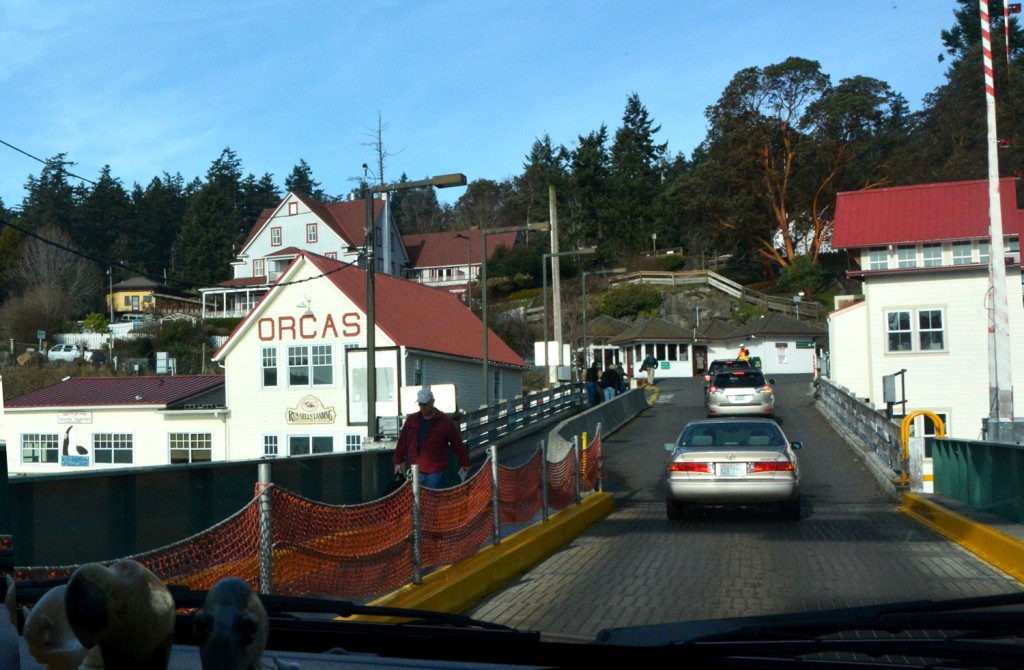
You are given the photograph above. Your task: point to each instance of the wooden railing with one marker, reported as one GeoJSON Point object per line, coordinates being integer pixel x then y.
{"type": "Point", "coordinates": [797, 308]}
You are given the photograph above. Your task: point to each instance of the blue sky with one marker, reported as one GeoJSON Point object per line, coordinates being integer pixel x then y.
{"type": "Point", "coordinates": [460, 85]}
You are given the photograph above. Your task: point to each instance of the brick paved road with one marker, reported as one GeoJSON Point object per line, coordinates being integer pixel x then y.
{"type": "Point", "coordinates": [853, 546]}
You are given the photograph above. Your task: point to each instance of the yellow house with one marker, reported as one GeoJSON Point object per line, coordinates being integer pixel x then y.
{"type": "Point", "coordinates": [144, 295]}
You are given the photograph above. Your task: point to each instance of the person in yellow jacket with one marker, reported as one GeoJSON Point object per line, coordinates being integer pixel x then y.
{"type": "Point", "coordinates": [744, 354]}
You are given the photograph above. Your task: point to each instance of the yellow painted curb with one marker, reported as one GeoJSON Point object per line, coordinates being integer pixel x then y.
{"type": "Point", "coordinates": [992, 546]}
{"type": "Point", "coordinates": [456, 588]}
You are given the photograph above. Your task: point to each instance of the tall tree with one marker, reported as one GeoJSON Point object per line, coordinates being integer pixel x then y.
{"type": "Point", "coordinates": [636, 169]}
{"type": "Point", "coordinates": [416, 210]}
{"type": "Point", "coordinates": [50, 199]}
{"type": "Point", "coordinates": [587, 197]}
{"type": "Point", "coordinates": [104, 217]}
{"type": "Point", "coordinates": [301, 181]}
{"type": "Point", "coordinates": [213, 223]}
{"type": "Point", "coordinates": [159, 210]}
{"type": "Point", "coordinates": [545, 166]}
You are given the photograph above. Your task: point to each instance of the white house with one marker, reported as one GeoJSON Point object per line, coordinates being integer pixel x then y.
{"type": "Point", "coordinates": [294, 380]}
{"type": "Point", "coordinates": [333, 230]}
{"type": "Point", "coordinates": [452, 259]}
{"type": "Point", "coordinates": [116, 422]}
{"type": "Point", "coordinates": [921, 255]}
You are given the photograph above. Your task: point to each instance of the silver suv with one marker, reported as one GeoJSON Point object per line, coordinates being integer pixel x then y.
{"type": "Point", "coordinates": [740, 392]}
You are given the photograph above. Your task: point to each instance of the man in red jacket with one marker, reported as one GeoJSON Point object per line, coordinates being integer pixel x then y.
{"type": "Point", "coordinates": [425, 440]}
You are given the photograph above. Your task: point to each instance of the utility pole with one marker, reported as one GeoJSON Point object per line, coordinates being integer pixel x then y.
{"type": "Point", "coordinates": [556, 280]}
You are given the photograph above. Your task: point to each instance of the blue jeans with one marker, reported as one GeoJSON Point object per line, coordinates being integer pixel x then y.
{"type": "Point", "coordinates": [592, 393]}
{"type": "Point", "coordinates": [609, 393]}
{"type": "Point", "coordinates": [433, 480]}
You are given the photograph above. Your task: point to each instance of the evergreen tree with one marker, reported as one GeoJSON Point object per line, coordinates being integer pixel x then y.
{"type": "Point", "coordinates": [301, 181]}
{"type": "Point", "coordinates": [634, 208]}
{"type": "Point", "coordinates": [159, 211]}
{"type": "Point", "coordinates": [105, 217]}
{"type": "Point", "coordinates": [50, 200]}
{"type": "Point", "coordinates": [213, 223]}
{"type": "Point", "coordinates": [589, 169]}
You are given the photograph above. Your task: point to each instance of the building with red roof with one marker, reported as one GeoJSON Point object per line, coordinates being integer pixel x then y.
{"type": "Point", "coordinates": [921, 255]}
{"type": "Point", "coordinates": [116, 422]}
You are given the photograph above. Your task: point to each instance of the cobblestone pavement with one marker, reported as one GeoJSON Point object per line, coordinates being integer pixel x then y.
{"type": "Point", "coordinates": [853, 547]}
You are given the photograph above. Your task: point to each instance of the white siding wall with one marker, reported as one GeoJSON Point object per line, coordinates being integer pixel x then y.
{"type": "Point", "coordinates": [954, 381]}
{"type": "Point", "coordinates": [148, 427]}
{"type": "Point", "coordinates": [293, 234]}
{"type": "Point", "coordinates": [257, 411]}
{"type": "Point", "coordinates": [849, 349]}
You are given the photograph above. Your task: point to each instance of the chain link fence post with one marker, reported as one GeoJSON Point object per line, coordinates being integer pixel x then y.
{"type": "Point", "coordinates": [266, 531]}
{"type": "Point", "coordinates": [417, 528]}
{"type": "Point", "coordinates": [495, 498]}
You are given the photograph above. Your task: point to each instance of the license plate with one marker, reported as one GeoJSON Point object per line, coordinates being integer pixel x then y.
{"type": "Point", "coordinates": [742, 398]}
{"type": "Point", "coordinates": [732, 469]}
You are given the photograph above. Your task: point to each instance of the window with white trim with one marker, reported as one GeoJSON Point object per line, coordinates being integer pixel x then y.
{"type": "Point", "coordinates": [303, 445]}
{"type": "Point", "coordinates": [40, 448]}
{"type": "Point", "coordinates": [293, 208]}
{"type": "Point", "coordinates": [258, 268]}
{"type": "Point", "coordinates": [275, 237]}
{"type": "Point", "coordinates": [983, 252]}
{"type": "Point", "coordinates": [311, 233]}
{"type": "Point", "coordinates": [917, 330]}
{"type": "Point", "coordinates": [878, 258]}
{"type": "Point", "coordinates": [268, 360]}
{"type": "Point", "coordinates": [932, 255]}
{"type": "Point", "coordinates": [310, 365]}
{"type": "Point", "coordinates": [906, 256]}
{"type": "Point", "coordinates": [113, 448]}
{"type": "Point", "coordinates": [930, 333]}
{"type": "Point", "coordinates": [900, 337]}
{"type": "Point", "coordinates": [190, 447]}
{"type": "Point", "coordinates": [962, 253]}
{"type": "Point", "coordinates": [270, 446]}
{"type": "Point", "coordinates": [353, 442]}
{"type": "Point", "coordinates": [333, 255]}
{"type": "Point", "coordinates": [930, 430]}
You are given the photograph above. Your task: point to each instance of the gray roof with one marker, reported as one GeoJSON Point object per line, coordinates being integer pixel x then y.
{"type": "Point", "coordinates": [777, 325]}
{"type": "Point", "coordinates": [653, 329]}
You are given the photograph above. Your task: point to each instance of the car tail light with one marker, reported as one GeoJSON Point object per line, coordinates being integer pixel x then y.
{"type": "Point", "coordinates": [771, 466]}
{"type": "Point", "coordinates": [690, 466]}
{"type": "Point", "coordinates": [713, 389]}
{"type": "Point", "coordinates": [767, 388]}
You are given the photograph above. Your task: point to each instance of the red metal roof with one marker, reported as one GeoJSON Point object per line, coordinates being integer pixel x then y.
{"type": "Point", "coordinates": [413, 315]}
{"type": "Point", "coordinates": [921, 213]}
{"type": "Point", "coordinates": [445, 249]}
{"type": "Point", "coordinates": [117, 391]}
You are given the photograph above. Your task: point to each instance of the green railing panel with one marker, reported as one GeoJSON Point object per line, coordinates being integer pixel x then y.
{"type": "Point", "coordinates": [984, 475]}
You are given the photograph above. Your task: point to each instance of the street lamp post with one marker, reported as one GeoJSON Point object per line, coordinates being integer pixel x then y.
{"type": "Point", "coordinates": [483, 291]}
{"type": "Point", "coordinates": [544, 296]}
{"type": "Point", "coordinates": [442, 181]}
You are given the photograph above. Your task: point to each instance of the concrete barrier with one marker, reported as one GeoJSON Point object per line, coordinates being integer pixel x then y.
{"type": "Point", "coordinates": [611, 414]}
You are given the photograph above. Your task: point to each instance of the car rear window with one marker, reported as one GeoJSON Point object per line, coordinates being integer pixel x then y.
{"type": "Point", "coordinates": [734, 435]}
{"type": "Point", "coordinates": [739, 380]}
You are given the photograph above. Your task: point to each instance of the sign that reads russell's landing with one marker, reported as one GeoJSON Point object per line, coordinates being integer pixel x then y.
{"type": "Point", "coordinates": [310, 410]}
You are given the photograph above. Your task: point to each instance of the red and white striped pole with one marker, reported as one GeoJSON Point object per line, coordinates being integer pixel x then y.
{"type": "Point", "coordinates": [1000, 385]}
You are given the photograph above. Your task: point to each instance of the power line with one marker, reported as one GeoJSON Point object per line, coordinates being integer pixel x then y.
{"type": "Point", "coordinates": [46, 162]}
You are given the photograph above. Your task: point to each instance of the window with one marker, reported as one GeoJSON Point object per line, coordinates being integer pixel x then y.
{"type": "Point", "coordinates": [127, 301]}
{"type": "Point", "coordinates": [39, 448]}
{"type": "Point", "coordinates": [307, 363]}
{"type": "Point", "coordinates": [983, 248]}
{"type": "Point", "coordinates": [417, 372]}
{"type": "Point", "coordinates": [275, 237]}
{"type": "Point", "coordinates": [929, 328]}
{"type": "Point", "coordinates": [353, 442]}
{"type": "Point", "coordinates": [898, 326]}
{"type": "Point", "coordinates": [961, 253]}
{"type": "Point", "coordinates": [112, 448]}
{"type": "Point", "coordinates": [332, 255]}
{"type": "Point", "coordinates": [930, 430]}
{"type": "Point", "coordinates": [311, 233]}
{"type": "Point", "coordinates": [191, 447]}
{"type": "Point", "coordinates": [270, 446]}
{"type": "Point", "coordinates": [303, 445]}
{"type": "Point", "coordinates": [293, 208]}
{"type": "Point", "coordinates": [932, 254]}
{"type": "Point", "coordinates": [906, 256]}
{"type": "Point", "coordinates": [257, 268]}
{"type": "Point", "coordinates": [878, 258]}
{"type": "Point", "coordinates": [269, 362]}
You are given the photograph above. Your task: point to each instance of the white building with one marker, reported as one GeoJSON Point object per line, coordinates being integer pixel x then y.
{"type": "Point", "coordinates": [922, 256]}
{"type": "Point", "coordinates": [300, 223]}
{"type": "Point", "coordinates": [294, 380]}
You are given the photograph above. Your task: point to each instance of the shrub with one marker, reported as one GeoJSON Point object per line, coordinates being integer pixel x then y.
{"type": "Point", "coordinates": [631, 301]}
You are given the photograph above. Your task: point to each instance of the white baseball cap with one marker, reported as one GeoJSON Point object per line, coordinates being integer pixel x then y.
{"type": "Point", "coordinates": [424, 396]}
